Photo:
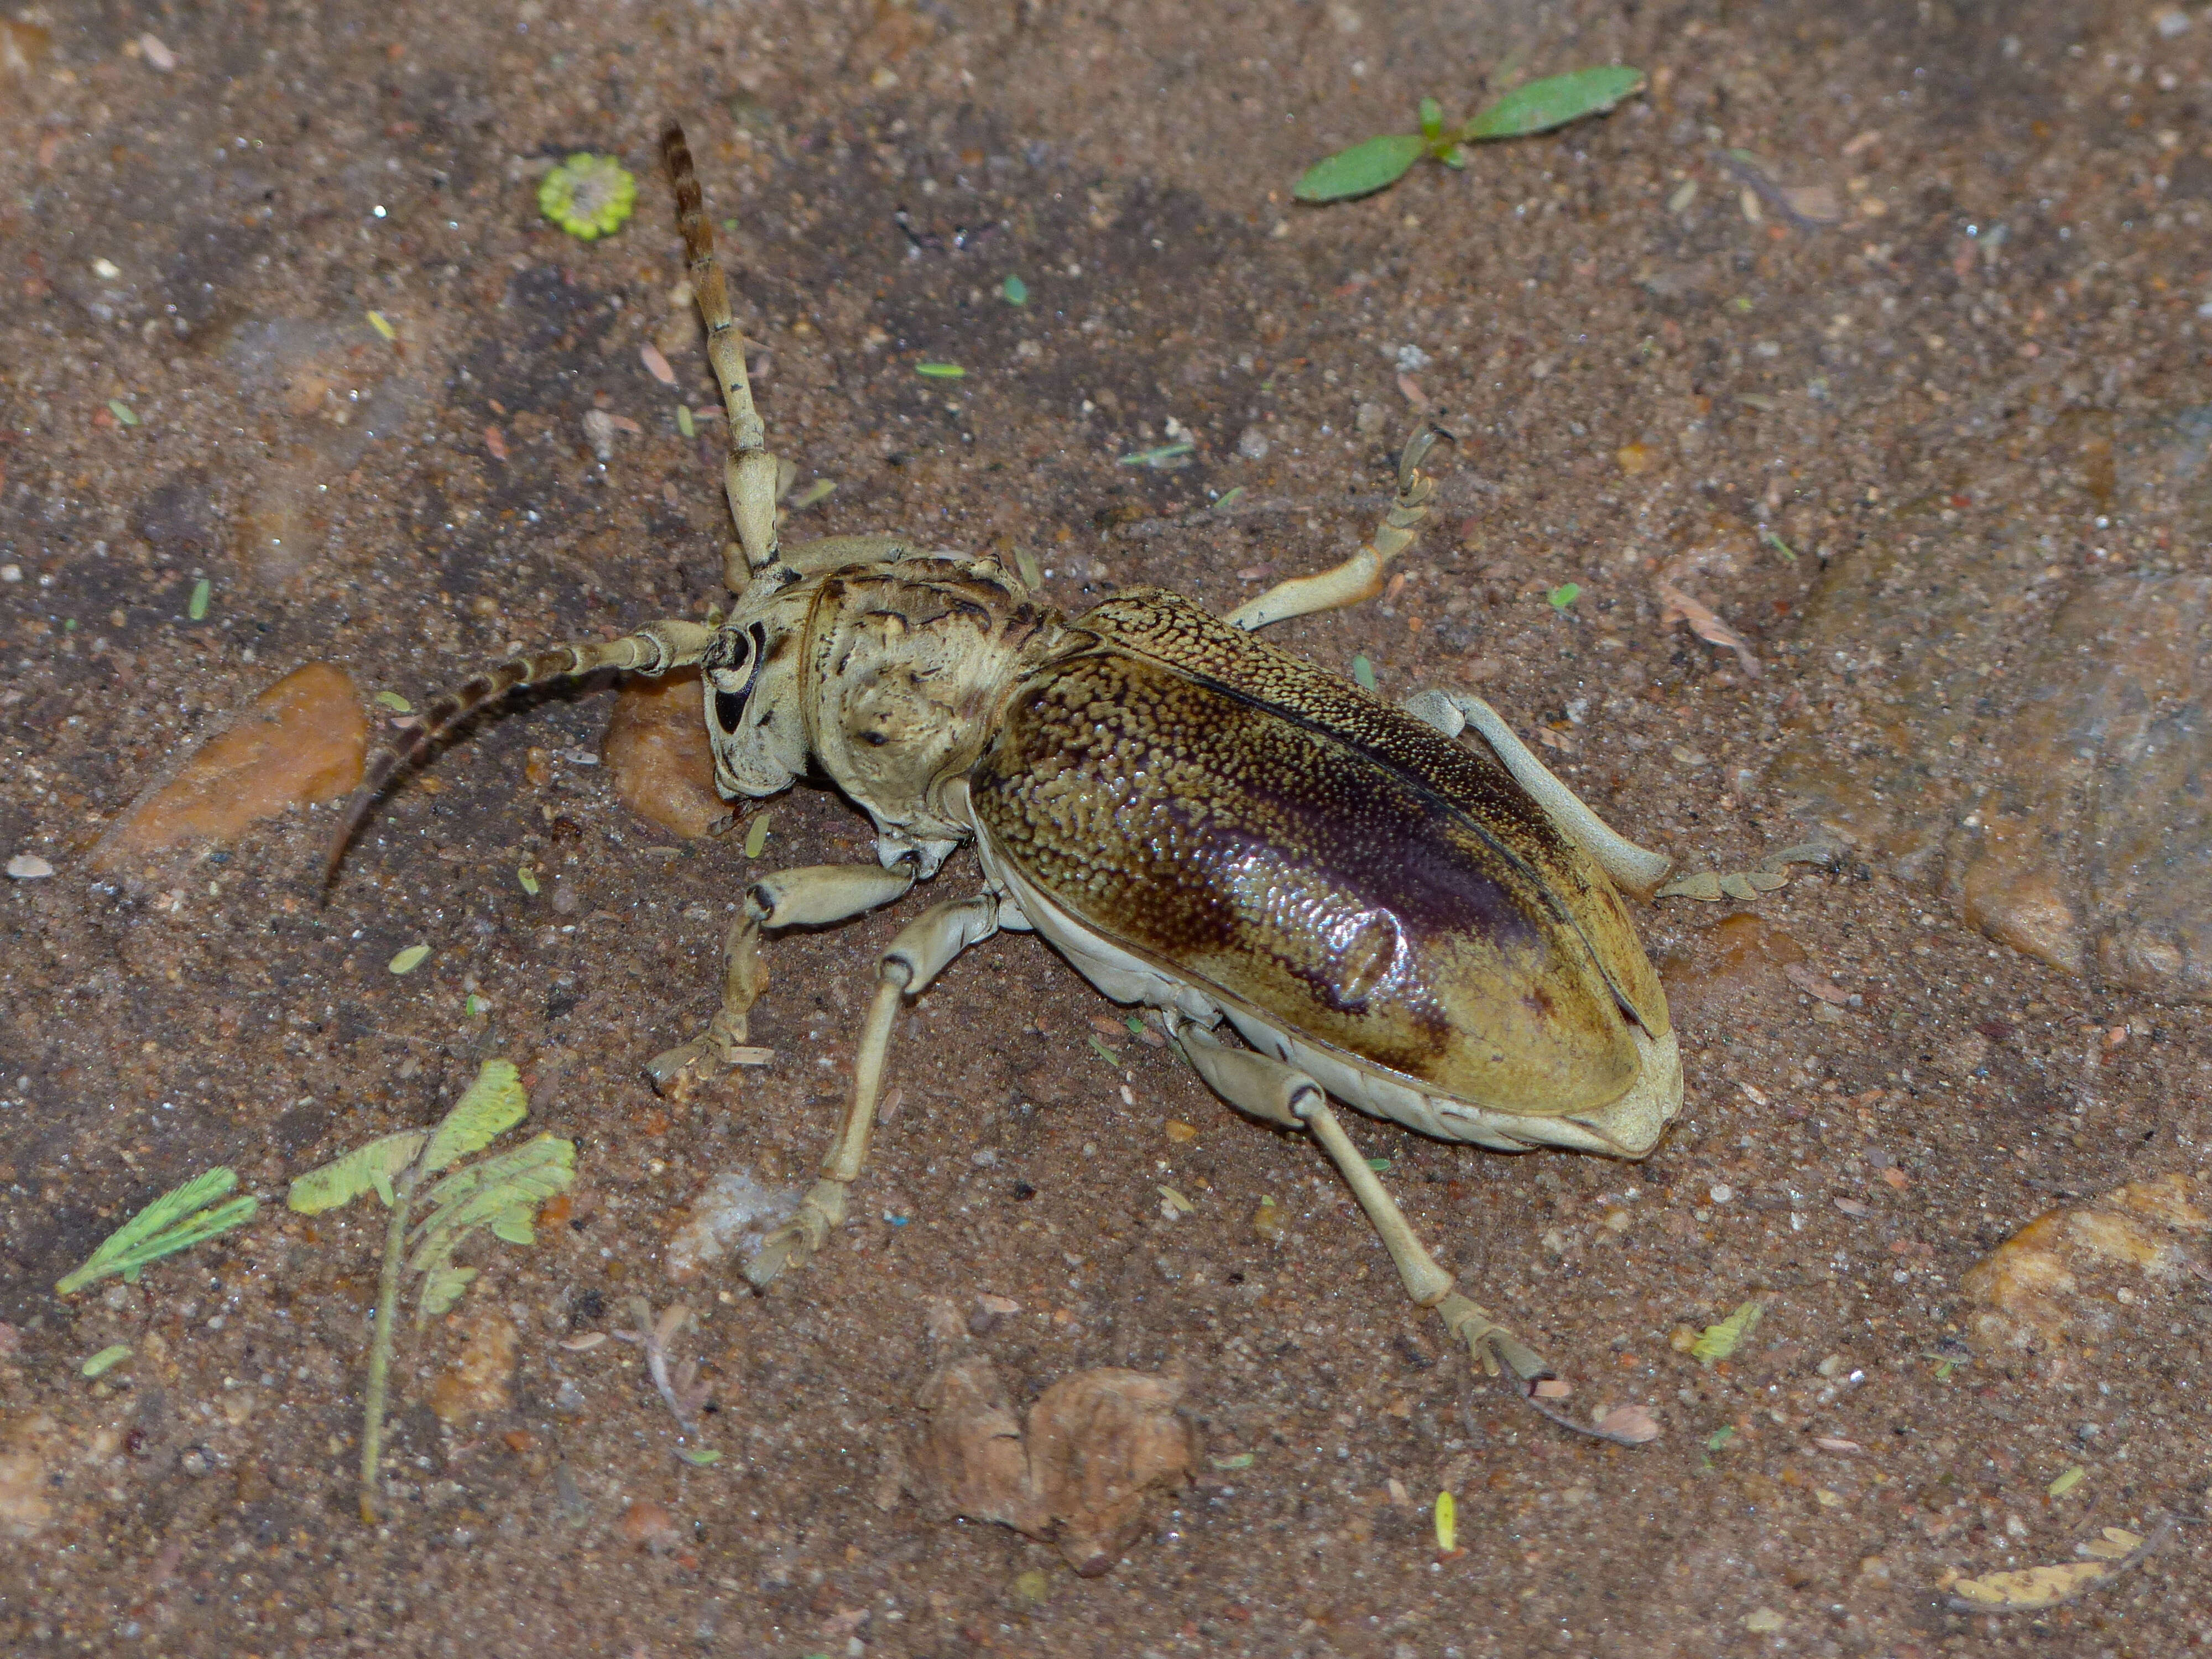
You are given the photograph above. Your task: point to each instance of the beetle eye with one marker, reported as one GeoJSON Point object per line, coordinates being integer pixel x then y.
{"type": "Point", "coordinates": [733, 682]}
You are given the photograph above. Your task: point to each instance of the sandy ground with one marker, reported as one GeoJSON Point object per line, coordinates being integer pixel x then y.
{"type": "Point", "coordinates": [193, 231]}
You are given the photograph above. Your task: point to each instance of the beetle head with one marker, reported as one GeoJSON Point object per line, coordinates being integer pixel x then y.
{"type": "Point", "coordinates": [749, 673]}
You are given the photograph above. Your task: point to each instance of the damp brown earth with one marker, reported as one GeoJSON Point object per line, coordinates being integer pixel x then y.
{"type": "Point", "coordinates": [1877, 333]}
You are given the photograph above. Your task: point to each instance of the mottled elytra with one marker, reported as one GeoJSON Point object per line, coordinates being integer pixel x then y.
{"type": "Point", "coordinates": [1323, 894]}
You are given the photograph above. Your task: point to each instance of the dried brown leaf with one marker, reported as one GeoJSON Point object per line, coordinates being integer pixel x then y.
{"type": "Point", "coordinates": [1678, 606]}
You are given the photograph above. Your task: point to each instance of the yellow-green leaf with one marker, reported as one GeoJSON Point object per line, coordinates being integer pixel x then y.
{"type": "Point", "coordinates": [495, 1103]}
{"type": "Point", "coordinates": [106, 1360]}
{"type": "Point", "coordinates": [1542, 104]}
{"type": "Point", "coordinates": [177, 1219]}
{"type": "Point", "coordinates": [441, 1289]}
{"type": "Point", "coordinates": [382, 324]}
{"type": "Point", "coordinates": [529, 882]}
{"type": "Point", "coordinates": [1721, 1340]}
{"type": "Point", "coordinates": [756, 835]}
{"type": "Point", "coordinates": [197, 606]}
{"type": "Point", "coordinates": [2066, 1482]}
{"type": "Point", "coordinates": [365, 1168]}
{"type": "Point", "coordinates": [1361, 170]}
{"type": "Point", "coordinates": [941, 371]}
{"type": "Point", "coordinates": [1447, 1522]}
{"type": "Point", "coordinates": [395, 703]}
{"type": "Point", "coordinates": [409, 959]}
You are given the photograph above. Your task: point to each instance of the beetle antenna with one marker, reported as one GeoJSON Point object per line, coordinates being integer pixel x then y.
{"type": "Point", "coordinates": [654, 649]}
{"type": "Point", "coordinates": [749, 472]}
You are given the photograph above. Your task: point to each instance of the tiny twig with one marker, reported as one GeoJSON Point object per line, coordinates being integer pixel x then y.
{"type": "Point", "coordinates": [681, 1392]}
{"type": "Point", "coordinates": [380, 1343]}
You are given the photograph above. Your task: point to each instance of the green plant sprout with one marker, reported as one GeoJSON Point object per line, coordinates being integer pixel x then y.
{"type": "Point", "coordinates": [1537, 108]}
{"type": "Point", "coordinates": [502, 1193]}
{"type": "Point", "coordinates": [588, 196]}
{"type": "Point", "coordinates": [177, 1221]}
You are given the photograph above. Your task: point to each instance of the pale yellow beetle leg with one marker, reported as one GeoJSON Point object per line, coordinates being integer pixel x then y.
{"type": "Point", "coordinates": [1359, 577]}
{"type": "Point", "coordinates": [1268, 1089]}
{"type": "Point", "coordinates": [916, 957]}
{"type": "Point", "coordinates": [811, 895]}
{"type": "Point", "coordinates": [1636, 868]}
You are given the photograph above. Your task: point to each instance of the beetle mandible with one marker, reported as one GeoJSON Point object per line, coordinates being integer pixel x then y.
{"type": "Point", "coordinates": [1199, 821]}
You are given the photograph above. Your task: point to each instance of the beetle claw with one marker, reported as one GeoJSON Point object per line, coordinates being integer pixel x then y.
{"type": "Point", "coordinates": [1493, 1345]}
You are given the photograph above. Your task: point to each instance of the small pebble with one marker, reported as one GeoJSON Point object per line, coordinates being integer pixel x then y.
{"type": "Point", "coordinates": [479, 1381]}
{"type": "Point", "coordinates": [1253, 446]}
{"type": "Point", "coordinates": [657, 752]}
{"type": "Point", "coordinates": [302, 741]}
{"type": "Point", "coordinates": [28, 867]}
{"type": "Point", "coordinates": [646, 1525]}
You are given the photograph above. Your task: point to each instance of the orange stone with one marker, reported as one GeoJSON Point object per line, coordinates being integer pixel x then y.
{"type": "Point", "coordinates": [656, 749]}
{"type": "Point", "coordinates": [302, 741]}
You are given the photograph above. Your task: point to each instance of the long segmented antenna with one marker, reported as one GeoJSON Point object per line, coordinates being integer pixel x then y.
{"type": "Point", "coordinates": [656, 648]}
{"type": "Point", "coordinates": [749, 472]}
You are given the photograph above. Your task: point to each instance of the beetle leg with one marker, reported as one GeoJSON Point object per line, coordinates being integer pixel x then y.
{"type": "Point", "coordinates": [811, 896]}
{"type": "Point", "coordinates": [916, 957]}
{"type": "Point", "coordinates": [1636, 868]}
{"type": "Point", "coordinates": [1360, 576]}
{"type": "Point", "coordinates": [1266, 1087]}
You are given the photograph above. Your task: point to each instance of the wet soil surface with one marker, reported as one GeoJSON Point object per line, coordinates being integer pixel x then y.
{"type": "Point", "coordinates": [1912, 394]}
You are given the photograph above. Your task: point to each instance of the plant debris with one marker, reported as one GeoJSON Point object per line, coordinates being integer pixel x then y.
{"type": "Point", "coordinates": [1676, 606]}
{"type": "Point", "coordinates": [180, 1219]}
{"type": "Point", "coordinates": [588, 196]}
{"type": "Point", "coordinates": [1720, 1341]}
{"type": "Point", "coordinates": [2038, 1588]}
{"type": "Point", "coordinates": [501, 1194]}
{"type": "Point", "coordinates": [106, 1360]}
{"type": "Point", "coordinates": [680, 1389]}
{"type": "Point", "coordinates": [408, 959]}
{"type": "Point", "coordinates": [941, 371]}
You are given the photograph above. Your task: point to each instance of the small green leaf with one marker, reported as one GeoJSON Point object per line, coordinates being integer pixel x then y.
{"type": "Point", "coordinates": [197, 607]}
{"type": "Point", "coordinates": [1447, 1523]}
{"type": "Point", "coordinates": [1166, 458]}
{"type": "Point", "coordinates": [395, 703]}
{"type": "Point", "coordinates": [1380, 1166]}
{"type": "Point", "coordinates": [756, 835]}
{"type": "Point", "coordinates": [1542, 104]}
{"type": "Point", "coordinates": [684, 421]}
{"type": "Point", "coordinates": [382, 324]}
{"type": "Point", "coordinates": [493, 1104]}
{"type": "Point", "coordinates": [177, 1218]}
{"type": "Point", "coordinates": [1228, 498]}
{"type": "Point", "coordinates": [1777, 544]}
{"type": "Point", "coordinates": [365, 1168]}
{"type": "Point", "coordinates": [2066, 1482]}
{"type": "Point", "coordinates": [515, 1225]}
{"type": "Point", "coordinates": [1241, 1460]}
{"type": "Point", "coordinates": [106, 1360]}
{"type": "Point", "coordinates": [1432, 119]}
{"type": "Point", "coordinates": [123, 411]}
{"type": "Point", "coordinates": [442, 1287]}
{"type": "Point", "coordinates": [1015, 290]}
{"type": "Point", "coordinates": [409, 959]}
{"type": "Point", "coordinates": [1720, 1437]}
{"type": "Point", "coordinates": [1362, 170]}
{"type": "Point", "coordinates": [1721, 1340]}
{"type": "Point", "coordinates": [1104, 1053]}
{"type": "Point", "coordinates": [1032, 573]}
{"type": "Point", "coordinates": [474, 1006]}
{"type": "Point", "coordinates": [529, 882]}
{"type": "Point", "coordinates": [941, 371]}
{"type": "Point", "coordinates": [1565, 595]}
{"type": "Point", "coordinates": [698, 1457]}
{"type": "Point", "coordinates": [819, 490]}
{"type": "Point", "coordinates": [1363, 671]}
